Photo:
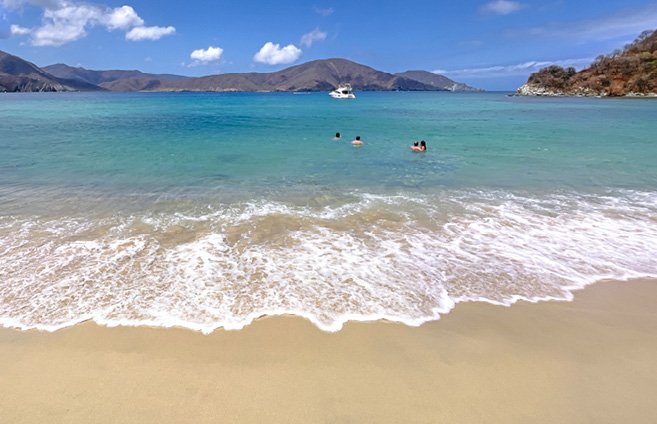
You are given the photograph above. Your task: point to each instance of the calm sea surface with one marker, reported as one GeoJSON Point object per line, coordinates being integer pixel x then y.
{"type": "Point", "coordinates": [209, 210]}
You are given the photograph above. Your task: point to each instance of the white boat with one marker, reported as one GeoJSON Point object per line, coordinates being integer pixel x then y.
{"type": "Point", "coordinates": [344, 91]}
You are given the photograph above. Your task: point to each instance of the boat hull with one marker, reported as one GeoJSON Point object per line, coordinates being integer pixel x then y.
{"type": "Point", "coordinates": [341, 96]}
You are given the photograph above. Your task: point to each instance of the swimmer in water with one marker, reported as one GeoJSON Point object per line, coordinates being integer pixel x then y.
{"type": "Point", "coordinates": [421, 148]}
{"type": "Point", "coordinates": [357, 141]}
{"type": "Point", "coordinates": [337, 136]}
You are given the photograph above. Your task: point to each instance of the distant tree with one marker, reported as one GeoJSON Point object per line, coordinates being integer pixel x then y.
{"type": "Point", "coordinates": [553, 77]}
{"type": "Point", "coordinates": [599, 60]}
{"type": "Point", "coordinates": [644, 36]}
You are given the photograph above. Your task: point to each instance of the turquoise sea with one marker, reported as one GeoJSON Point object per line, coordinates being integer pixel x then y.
{"type": "Point", "coordinates": [208, 210]}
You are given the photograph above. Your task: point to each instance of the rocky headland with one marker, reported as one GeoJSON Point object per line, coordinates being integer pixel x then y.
{"type": "Point", "coordinates": [631, 72]}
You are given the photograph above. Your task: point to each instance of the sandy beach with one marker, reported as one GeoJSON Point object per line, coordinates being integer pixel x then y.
{"type": "Point", "coordinates": [184, 239]}
{"type": "Point", "coordinates": [593, 360]}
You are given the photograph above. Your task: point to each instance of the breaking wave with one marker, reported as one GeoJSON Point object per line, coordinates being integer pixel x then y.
{"type": "Point", "coordinates": [401, 258]}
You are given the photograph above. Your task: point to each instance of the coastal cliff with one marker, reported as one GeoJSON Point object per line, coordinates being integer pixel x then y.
{"type": "Point", "coordinates": [631, 71]}
{"type": "Point", "coordinates": [18, 75]}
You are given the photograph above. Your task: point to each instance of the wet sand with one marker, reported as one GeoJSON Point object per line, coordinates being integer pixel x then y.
{"type": "Point", "coordinates": [593, 360]}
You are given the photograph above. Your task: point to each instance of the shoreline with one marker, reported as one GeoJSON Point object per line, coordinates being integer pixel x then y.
{"type": "Point", "coordinates": [586, 96]}
{"type": "Point", "coordinates": [593, 359]}
{"type": "Point", "coordinates": [570, 293]}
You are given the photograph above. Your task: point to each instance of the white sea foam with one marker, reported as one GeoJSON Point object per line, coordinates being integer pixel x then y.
{"type": "Point", "coordinates": [400, 258]}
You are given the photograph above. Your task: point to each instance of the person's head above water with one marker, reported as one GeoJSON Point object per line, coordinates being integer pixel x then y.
{"type": "Point", "coordinates": [415, 143]}
{"type": "Point", "coordinates": [337, 135]}
{"type": "Point", "coordinates": [357, 137]}
{"type": "Point", "coordinates": [423, 145]}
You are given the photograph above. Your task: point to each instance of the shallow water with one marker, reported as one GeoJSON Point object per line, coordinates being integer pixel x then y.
{"type": "Point", "coordinates": [208, 210]}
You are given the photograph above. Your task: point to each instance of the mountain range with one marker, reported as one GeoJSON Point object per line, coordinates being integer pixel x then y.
{"type": "Point", "coordinates": [17, 75]}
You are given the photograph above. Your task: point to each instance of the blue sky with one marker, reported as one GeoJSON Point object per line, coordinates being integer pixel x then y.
{"type": "Point", "coordinates": [493, 44]}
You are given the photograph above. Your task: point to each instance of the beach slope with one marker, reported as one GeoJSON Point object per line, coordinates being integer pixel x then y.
{"type": "Point", "coordinates": [591, 360]}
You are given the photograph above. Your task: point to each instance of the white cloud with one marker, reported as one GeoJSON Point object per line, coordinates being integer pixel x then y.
{"type": "Point", "coordinates": [19, 30]}
{"type": "Point", "coordinates": [124, 18]}
{"type": "Point", "coordinates": [149, 33]}
{"type": "Point", "coordinates": [273, 54]}
{"type": "Point", "coordinates": [518, 69]}
{"type": "Point", "coordinates": [65, 21]}
{"type": "Point", "coordinates": [315, 35]}
{"type": "Point", "coordinates": [204, 57]}
{"type": "Point", "coordinates": [66, 24]}
{"type": "Point", "coordinates": [502, 7]}
{"type": "Point", "coordinates": [324, 12]}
